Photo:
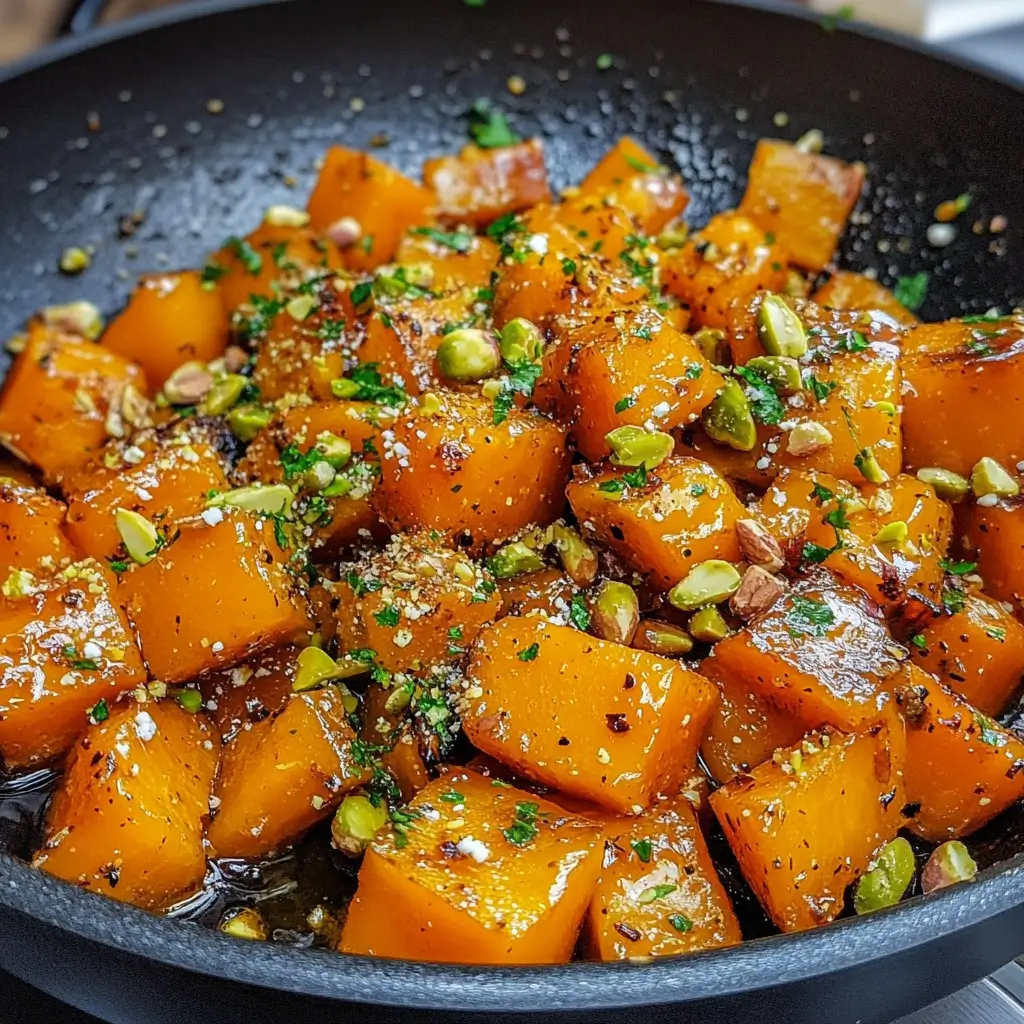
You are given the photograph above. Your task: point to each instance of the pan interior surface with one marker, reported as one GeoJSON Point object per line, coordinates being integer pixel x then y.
{"type": "Point", "coordinates": [150, 148]}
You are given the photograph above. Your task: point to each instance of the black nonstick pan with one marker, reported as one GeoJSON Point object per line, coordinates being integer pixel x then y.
{"type": "Point", "coordinates": [197, 119]}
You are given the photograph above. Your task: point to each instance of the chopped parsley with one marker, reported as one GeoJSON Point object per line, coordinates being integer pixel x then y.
{"type": "Point", "coordinates": [808, 616]}
{"type": "Point", "coordinates": [625, 403]}
{"type": "Point", "coordinates": [451, 796]}
{"type": "Point", "coordinates": [680, 922]}
{"type": "Point", "coordinates": [212, 273]}
{"type": "Point", "coordinates": [100, 711]}
{"type": "Point", "coordinates": [996, 633]}
{"type": "Point", "coordinates": [361, 293]}
{"type": "Point", "coordinates": [524, 829]}
{"type": "Point", "coordinates": [988, 732]}
{"type": "Point", "coordinates": [919, 641]}
{"type": "Point", "coordinates": [821, 389]}
{"type": "Point", "coordinates": [579, 613]}
{"type": "Point", "coordinates": [70, 653]}
{"type": "Point", "coordinates": [295, 462]}
{"type": "Point", "coordinates": [119, 565]}
{"type": "Point", "coordinates": [568, 266]}
{"type": "Point", "coordinates": [388, 616]}
{"type": "Point", "coordinates": [330, 329]}
{"type": "Point", "coordinates": [643, 849]}
{"type": "Point", "coordinates": [459, 241]}
{"type": "Point", "coordinates": [693, 371]}
{"type": "Point", "coordinates": [910, 291]}
{"type": "Point", "coordinates": [982, 318]}
{"type": "Point", "coordinates": [656, 892]}
{"type": "Point", "coordinates": [698, 490]}
{"type": "Point", "coordinates": [529, 653]}
{"type": "Point", "coordinates": [957, 568]}
{"type": "Point", "coordinates": [638, 165]}
{"type": "Point", "coordinates": [373, 389]}
{"type": "Point", "coordinates": [765, 404]}
{"type": "Point", "coordinates": [852, 341]}
{"type": "Point", "coordinates": [520, 380]}
{"type": "Point", "coordinates": [361, 587]}
{"type": "Point", "coordinates": [489, 127]}
{"type": "Point", "coordinates": [953, 599]}
{"type": "Point", "coordinates": [249, 257]}
{"type": "Point", "coordinates": [643, 333]}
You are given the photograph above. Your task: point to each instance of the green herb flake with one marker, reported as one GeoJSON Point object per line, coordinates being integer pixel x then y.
{"type": "Point", "coordinates": [489, 127]}
{"type": "Point", "coordinates": [212, 273]}
{"type": "Point", "coordinates": [625, 403]}
{"type": "Point", "coordinates": [638, 165]}
{"type": "Point", "coordinates": [953, 599]}
{"type": "Point", "coordinates": [458, 241]}
{"type": "Point", "coordinates": [919, 641]}
{"type": "Point", "coordinates": [250, 258]}
{"type": "Point", "coordinates": [698, 490]}
{"type": "Point", "coordinates": [911, 291]}
{"type": "Point", "coordinates": [579, 613]}
{"type": "Point", "coordinates": [524, 829]}
{"type": "Point", "coordinates": [643, 849]}
{"type": "Point", "coordinates": [988, 731]}
{"type": "Point", "coordinates": [361, 587]}
{"type": "Point", "coordinates": [636, 477]}
{"type": "Point", "coordinates": [680, 922]}
{"type": "Point", "coordinates": [656, 892]}
{"type": "Point", "coordinates": [765, 404]}
{"type": "Point", "coordinates": [819, 388]}
{"type": "Point", "coordinates": [451, 796]}
{"type": "Point", "coordinates": [119, 565]}
{"type": "Point", "coordinates": [388, 616]}
{"type": "Point", "coordinates": [693, 371]}
{"type": "Point", "coordinates": [529, 653]}
{"type": "Point", "coordinates": [996, 633]}
{"type": "Point", "coordinates": [957, 568]}
{"type": "Point", "coordinates": [808, 616]}
{"type": "Point", "coordinates": [520, 380]}
{"type": "Point", "coordinates": [361, 293]}
{"type": "Point", "coordinates": [613, 486]}
{"type": "Point", "coordinates": [100, 711]}
{"type": "Point", "coordinates": [568, 266]}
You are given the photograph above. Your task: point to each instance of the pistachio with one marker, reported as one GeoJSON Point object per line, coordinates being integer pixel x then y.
{"type": "Point", "coordinates": [634, 446]}
{"type": "Point", "coordinates": [779, 328]}
{"type": "Point", "coordinates": [521, 341]}
{"type": "Point", "coordinates": [578, 558]}
{"type": "Point", "coordinates": [188, 385]}
{"type": "Point", "coordinates": [419, 274]}
{"type": "Point", "coordinates": [782, 372]}
{"type": "Point", "coordinates": [138, 535]}
{"type": "Point", "coordinates": [190, 700]}
{"type": "Point", "coordinates": [319, 476]}
{"type": "Point", "coordinates": [223, 395]}
{"type": "Point", "coordinates": [807, 438]}
{"type": "Point", "coordinates": [889, 408]}
{"type": "Point", "coordinates": [615, 612]}
{"type": "Point", "coordinates": [300, 307]}
{"type": "Point", "coordinates": [356, 822]}
{"type": "Point", "coordinates": [895, 533]}
{"type": "Point", "coordinates": [244, 923]}
{"type": "Point", "coordinates": [887, 880]}
{"type": "Point", "coordinates": [662, 638]}
{"type": "Point", "coordinates": [948, 864]}
{"type": "Point", "coordinates": [812, 141]}
{"type": "Point", "coordinates": [758, 546]}
{"type": "Point", "coordinates": [869, 466]}
{"type": "Point", "coordinates": [797, 286]}
{"type": "Point", "coordinates": [728, 419]}
{"type": "Point", "coordinates": [513, 560]}
{"type": "Point", "coordinates": [338, 487]}
{"type": "Point", "coordinates": [757, 592]}
{"type": "Point", "coordinates": [709, 582]}
{"type": "Point", "coordinates": [81, 317]}
{"type": "Point", "coordinates": [469, 354]}
{"type": "Point", "coordinates": [74, 260]}
{"type": "Point", "coordinates": [336, 450]}
{"type": "Point", "coordinates": [246, 421]}
{"type": "Point", "coordinates": [948, 485]}
{"type": "Point", "coordinates": [343, 387]}
{"type": "Point", "coordinates": [490, 389]}
{"type": "Point", "coordinates": [314, 667]}
{"type": "Point", "coordinates": [272, 499]}
{"type": "Point", "coordinates": [235, 357]}
{"type": "Point", "coordinates": [708, 626]}
{"type": "Point", "coordinates": [988, 477]}
{"type": "Point", "coordinates": [712, 344]}
{"type": "Point", "coordinates": [285, 217]}
{"type": "Point", "coordinates": [20, 583]}
{"type": "Point", "coordinates": [430, 404]}
{"type": "Point", "coordinates": [673, 235]}
{"type": "Point", "coordinates": [345, 232]}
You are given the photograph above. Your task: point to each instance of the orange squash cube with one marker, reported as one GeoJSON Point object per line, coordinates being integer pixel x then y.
{"type": "Point", "coordinates": [659, 893]}
{"type": "Point", "coordinates": [547, 590]}
{"type": "Point", "coordinates": [383, 202]}
{"type": "Point", "coordinates": [995, 535]}
{"type": "Point", "coordinates": [807, 826]}
{"type": "Point", "coordinates": [64, 648]}
{"type": "Point", "coordinates": [803, 199]}
{"type": "Point", "coordinates": [474, 481]}
{"type": "Point", "coordinates": [127, 819]}
{"type": "Point", "coordinates": [683, 514]}
{"type": "Point", "coordinates": [215, 594]}
{"type": "Point", "coordinates": [31, 529]}
{"type": "Point", "coordinates": [597, 720]}
{"type": "Point", "coordinates": [456, 259]}
{"type": "Point", "coordinates": [846, 289]}
{"type": "Point", "coordinates": [487, 874]}
{"type": "Point", "coordinates": [56, 398]}
{"type": "Point", "coordinates": [480, 185]}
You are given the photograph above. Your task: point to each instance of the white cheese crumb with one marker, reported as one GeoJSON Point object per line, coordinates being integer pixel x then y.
{"type": "Point", "coordinates": [212, 516]}
{"type": "Point", "coordinates": [145, 727]}
{"type": "Point", "coordinates": [538, 244]}
{"type": "Point", "coordinates": [471, 847]}
{"type": "Point", "coordinates": [91, 650]}
{"type": "Point", "coordinates": [216, 647]}
{"type": "Point", "coordinates": [133, 455]}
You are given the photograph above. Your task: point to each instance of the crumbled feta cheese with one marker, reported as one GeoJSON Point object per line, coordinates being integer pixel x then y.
{"type": "Point", "coordinates": [92, 650]}
{"type": "Point", "coordinates": [538, 244]}
{"type": "Point", "coordinates": [133, 454]}
{"type": "Point", "coordinates": [212, 516]}
{"type": "Point", "coordinates": [216, 647]}
{"type": "Point", "coordinates": [471, 847]}
{"type": "Point", "coordinates": [145, 727]}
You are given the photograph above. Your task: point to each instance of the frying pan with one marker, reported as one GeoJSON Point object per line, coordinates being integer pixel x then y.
{"type": "Point", "coordinates": [699, 82]}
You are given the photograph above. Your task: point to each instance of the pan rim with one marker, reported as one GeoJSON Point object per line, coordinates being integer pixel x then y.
{"type": "Point", "coordinates": [754, 966]}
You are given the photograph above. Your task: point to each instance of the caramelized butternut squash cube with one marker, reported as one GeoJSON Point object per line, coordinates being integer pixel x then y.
{"type": "Point", "coordinates": [57, 396]}
{"type": "Point", "coordinates": [846, 289]}
{"type": "Point", "coordinates": [383, 202]}
{"type": "Point", "coordinates": [806, 827]}
{"type": "Point", "coordinates": [487, 874]}
{"type": "Point", "coordinates": [65, 647]}
{"type": "Point", "coordinates": [303, 756]}
{"type": "Point", "coordinates": [472, 480]}
{"type": "Point", "coordinates": [457, 259]}
{"type": "Point", "coordinates": [31, 529]}
{"type": "Point", "coordinates": [803, 199]}
{"type": "Point", "coordinates": [127, 819]}
{"type": "Point", "coordinates": [480, 185]}
{"type": "Point", "coordinates": [213, 595]}
{"type": "Point", "coordinates": [683, 513]}
{"type": "Point", "coordinates": [596, 720]}
{"type": "Point", "coordinates": [995, 536]}
{"type": "Point", "coordinates": [547, 590]}
{"type": "Point", "coordinates": [407, 739]}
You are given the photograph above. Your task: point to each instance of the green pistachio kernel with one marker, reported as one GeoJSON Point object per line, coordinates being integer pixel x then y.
{"type": "Point", "coordinates": [662, 638]}
{"type": "Point", "coordinates": [246, 421]}
{"type": "Point", "coordinates": [728, 419]}
{"type": "Point", "coordinates": [79, 317]}
{"type": "Point", "coordinates": [892, 533]}
{"type": "Point", "coordinates": [988, 477]}
{"type": "Point", "coordinates": [869, 467]}
{"type": "Point", "coordinates": [138, 535]}
{"type": "Point", "coordinates": [190, 700]}
{"type": "Point", "coordinates": [779, 328]}
{"type": "Point", "coordinates": [356, 822]}
{"type": "Point", "coordinates": [710, 582]}
{"type": "Point", "coordinates": [336, 450]}
{"type": "Point", "coordinates": [674, 235]}
{"type": "Point", "coordinates": [285, 217]}
{"type": "Point", "coordinates": [469, 354]}
{"type": "Point", "coordinates": [314, 667]}
{"type": "Point", "coordinates": [338, 487]}
{"type": "Point", "coordinates": [712, 345]}
{"type": "Point", "coordinates": [343, 387]}
{"type": "Point", "coordinates": [708, 625]}
{"type": "Point", "coordinates": [244, 923]}
{"type": "Point", "coordinates": [300, 307]}
{"type": "Point", "coordinates": [887, 881]}
{"type": "Point", "coordinates": [521, 341]}
{"type": "Point", "coordinates": [615, 612]}
{"type": "Point", "coordinates": [782, 372]}
{"type": "Point", "coordinates": [74, 260]}
{"type": "Point", "coordinates": [513, 560]}
{"type": "Point", "coordinates": [634, 446]}
{"type": "Point", "coordinates": [948, 485]}
{"type": "Point", "coordinates": [319, 476]}
{"type": "Point", "coordinates": [578, 558]}
{"type": "Point", "coordinates": [20, 583]}
{"type": "Point", "coordinates": [223, 395]}
{"type": "Point", "coordinates": [888, 408]}
{"type": "Point", "coordinates": [949, 864]}
{"type": "Point", "coordinates": [273, 499]}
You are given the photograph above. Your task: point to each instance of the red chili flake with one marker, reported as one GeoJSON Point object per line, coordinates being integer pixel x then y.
{"type": "Point", "coordinates": [628, 933]}
{"type": "Point", "coordinates": [617, 723]}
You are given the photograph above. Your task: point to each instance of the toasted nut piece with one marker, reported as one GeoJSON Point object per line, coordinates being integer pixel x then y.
{"type": "Point", "coordinates": [314, 667]}
{"type": "Point", "coordinates": [757, 592]}
{"type": "Point", "coordinates": [782, 372]}
{"type": "Point", "coordinates": [513, 560]}
{"type": "Point", "coordinates": [578, 558]}
{"type": "Point", "coordinates": [869, 468]}
{"type": "Point", "coordinates": [336, 450]}
{"type": "Point", "coordinates": [273, 499]}
{"type": "Point", "coordinates": [662, 638]}
{"type": "Point", "coordinates": [812, 141]}
{"type": "Point", "coordinates": [188, 385]}
{"type": "Point", "coordinates": [300, 307]}
{"type": "Point", "coordinates": [728, 419]}
{"type": "Point", "coordinates": [634, 446]}
{"type": "Point", "coordinates": [708, 625]}
{"type": "Point", "coordinates": [807, 438]}
{"type": "Point", "coordinates": [138, 535]}
{"type": "Point", "coordinates": [343, 387]}
{"type": "Point", "coordinates": [356, 822]}
{"type": "Point", "coordinates": [674, 235]}
{"type": "Point", "coordinates": [615, 612]}
{"type": "Point", "coordinates": [711, 342]}
{"type": "Point", "coordinates": [779, 328]}
{"type": "Point", "coordinates": [797, 286]}
{"type": "Point", "coordinates": [988, 477]}
{"type": "Point", "coordinates": [20, 583]}
{"type": "Point", "coordinates": [246, 421]}
{"type": "Point", "coordinates": [759, 547]}
{"type": "Point", "coordinates": [709, 582]}
{"type": "Point", "coordinates": [74, 260]}
{"type": "Point", "coordinates": [892, 533]}
{"type": "Point", "coordinates": [189, 700]}
{"type": "Point", "coordinates": [521, 341]}
{"type": "Point", "coordinates": [235, 357]}
{"type": "Point", "coordinates": [430, 405]}
{"type": "Point", "coordinates": [887, 881]}
{"type": "Point", "coordinates": [80, 317]}
{"type": "Point", "coordinates": [244, 923]}
{"type": "Point", "coordinates": [948, 485]}
{"type": "Point", "coordinates": [223, 395]}
{"type": "Point", "coordinates": [285, 217]}
{"type": "Point", "coordinates": [319, 476]}
{"type": "Point", "coordinates": [345, 232]}
{"type": "Point", "coordinates": [469, 354]}
{"type": "Point", "coordinates": [324, 925]}
{"type": "Point", "coordinates": [949, 863]}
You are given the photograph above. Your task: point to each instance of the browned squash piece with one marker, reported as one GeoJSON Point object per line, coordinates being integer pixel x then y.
{"type": "Point", "coordinates": [31, 530]}
{"type": "Point", "coordinates": [804, 199]}
{"type": "Point", "coordinates": [457, 259]}
{"type": "Point", "coordinates": [960, 373]}
{"type": "Point", "coordinates": [480, 185]}
{"type": "Point", "coordinates": [127, 819]}
{"type": "Point", "coordinates": [994, 535]}
{"type": "Point", "coordinates": [659, 893]}
{"type": "Point", "coordinates": [846, 289]}
{"type": "Point", "coordinates": [503, 879]}
{"type": "Point", "coordinates": [404, 738]}
{"type": "Point", "coordinates": [547, 590]}
{"type": "Point", "coordinates": [682, 514]}
{"type": "Point", "coordinates": [804, 826]}
{"type": "Point", "coordinates": [65, 647]}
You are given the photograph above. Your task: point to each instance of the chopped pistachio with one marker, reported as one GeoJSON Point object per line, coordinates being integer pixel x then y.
{"type": "Point", "coordinates": [20, 583]}
{"type": "Point", "coordinates": [779, 328]}
{"type": "Point", "coordinates": [728, 419]}
{"type": "Point", "coordinates": [521, 341]}
{"type": "Point", "coordinates": [80, 317]}
{"type": "Point", "coordinates": [662, 638]}
{"type": "Point", "coordinates": [886, 407]}
{"type": "Point", "coordinates": [869, 467]}
{"type": "Point", "coordinates": [356, 822]}
{"type": "Point", "coordinates": [782, 372]}
{"type": "Point", "coordinates": [615, 612]}
{"type": "Point", "coordinates": [138, 535]}
{"type": "Point", "coordinates": [188, 384]}
{"type": "Point", "coordinates": [336, 450]}
{"type": "Point", "coordinates": [246, 421]}
{"type": "Point", "coordinates": [948, 485]}
{"type": "Point", "coordinates": [245, 923]}
{"type": "Point", "coordinates": [578, 558]}
{"type": "Point", "coordinates": [490, 389]}
{"type": "Point", "coordinates": [314, 667]}
{"type": "Point", "coordinates": [708, 625]}
{"type": "Point", "coordinates": [273, 499]}
{"type": "Point", "coordinates": [319, 476]}
{"type": "Point", "coordinates": [634, 446]}
{"type": "Point", "coordinates": [343, 387]}
{"type": "Point", "coordinates": [223, 395]}
{"type": "Point", "coordinates": [285, 217]}
{"type": "Point", "coordinates": [807, 438]}
{"type": "Point", "coordinates": [674, 235]}
{"type": "Point", "coordinates": [948, 864]}
{"type": "Point", "coordinates": [74, 260]}
{"type": "Point", "coordinates": [710, 582]}
{"type": "Point", "coordinates": [300, 307]}
{"type": "Point", "coordinates": [469, 354]}
{"type": "Point", "coordinates": [988, 477]}
{"type": "Point", "coordinates": [892, 533]}
{"type": "Point", "coordinates": [712, 344]}
{"type": "Point", "coordinates": [513, 560]}
{"type": "Point", "coordinates": [812, 141]}
{"type": "Point", "coordinates": [887, 881]}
